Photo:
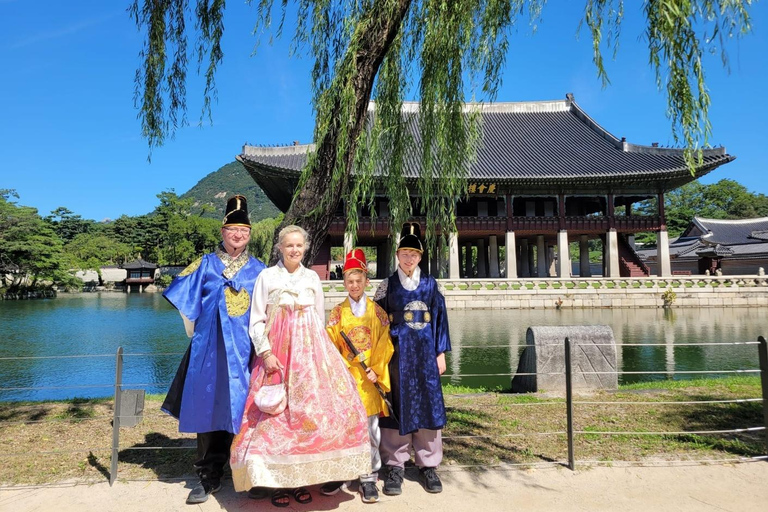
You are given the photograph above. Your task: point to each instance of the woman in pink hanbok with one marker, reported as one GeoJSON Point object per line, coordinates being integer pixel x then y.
{"type": "Point", "coordinates": [322, 435]}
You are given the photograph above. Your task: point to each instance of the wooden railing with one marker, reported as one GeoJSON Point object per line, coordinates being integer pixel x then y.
{"type": "Point", "coordinates": [521, 225]}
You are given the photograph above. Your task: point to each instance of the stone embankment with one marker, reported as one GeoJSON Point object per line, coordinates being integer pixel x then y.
{"type": "Point", "coordinates": [551, 293]}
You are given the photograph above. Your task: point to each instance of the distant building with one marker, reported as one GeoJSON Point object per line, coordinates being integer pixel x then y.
{"type": "Point", "coordinates": [140, 274]}
{"type": "Point", "coordinates": [546, 175]}
{"type": "Point", "coordinates": [734, 247]}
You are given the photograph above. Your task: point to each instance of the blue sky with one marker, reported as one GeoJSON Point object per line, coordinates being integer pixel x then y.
{"type": "Point", "coordinates": [70, 136]}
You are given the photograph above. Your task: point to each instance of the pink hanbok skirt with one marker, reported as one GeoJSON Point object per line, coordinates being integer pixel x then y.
{"type": "Point", "coordinates": [322, 435]}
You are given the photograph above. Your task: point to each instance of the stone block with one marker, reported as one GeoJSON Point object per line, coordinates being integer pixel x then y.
{"type": "Point", "coordinates": [593, 349]}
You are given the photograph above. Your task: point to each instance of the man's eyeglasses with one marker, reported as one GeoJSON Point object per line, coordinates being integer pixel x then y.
{"type": "Point", "coordinates": [242, 231]}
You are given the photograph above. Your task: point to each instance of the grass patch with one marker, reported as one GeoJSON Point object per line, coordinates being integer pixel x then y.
{"type": "Point", "coordinates": [54, 441]}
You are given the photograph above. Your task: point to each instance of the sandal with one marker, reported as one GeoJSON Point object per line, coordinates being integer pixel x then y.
{"type": "Point", "coordinates": [301, 495]}
{"type": "Point", "coordinates": [280, 498]}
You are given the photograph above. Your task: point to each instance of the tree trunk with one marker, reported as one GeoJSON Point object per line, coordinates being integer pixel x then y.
{"type": "Point", "coordinates": [370, 47]}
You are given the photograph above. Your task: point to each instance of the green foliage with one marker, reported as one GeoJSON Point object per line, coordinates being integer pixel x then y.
{"type": "Point", "coordinates": [68, 225]}
{"type": "Point", "coordinates": [36, 251]}
{"type": "Point", "coordinates": [163, 280]}
{"type": "Point", "coordinates": [262, 235]}
{"type": "Point", "coordinates": [31, 252]}
{"type": "Point", "coordinates": [211, 192]}
{"type": "Point", "coordinates": [92, 251]}
{"type": "Point", "coordinates": [185, 233]}
{"type": "Point", "coordinates": [669, 296]}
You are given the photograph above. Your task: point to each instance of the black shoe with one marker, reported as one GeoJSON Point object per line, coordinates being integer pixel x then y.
{"type": "Point", "coordinates": [201, 491]}
{"type": "Point", "coordinates": [331, 488]}
{"type": "Point", "coordinates": [393, 485]}
{"type": "Point", "coordinates": [259, 493]}
{"type": "Point", "coordinates": [429, 479]}
{"type": "Point", "coordinates": [369, 492]}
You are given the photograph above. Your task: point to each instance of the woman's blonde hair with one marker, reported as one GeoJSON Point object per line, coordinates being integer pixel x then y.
{"type": "Point", "coordinates": [287, 230]}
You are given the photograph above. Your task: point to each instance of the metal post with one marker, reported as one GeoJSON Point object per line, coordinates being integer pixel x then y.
{"type": "Point", "coordinates": [116, 417]}
{"type": "Point", "coordinates": [569, 403]}
{"type": "Point", "coordinates": [762, 350]}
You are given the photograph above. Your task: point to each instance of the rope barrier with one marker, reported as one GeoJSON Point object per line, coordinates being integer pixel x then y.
{"type": "Point", "coordinates": [81, 356]}
{"type": "Point", "coordinates": [668, 372]}
{"type": "Point", "coordinates": [735, 401]}
{"type": "Point", "coordinates": [684, 432]}
{"type": "Point", "coordinates": [125, 385]}
{"type": "Point", "coordinates": [524, 434]}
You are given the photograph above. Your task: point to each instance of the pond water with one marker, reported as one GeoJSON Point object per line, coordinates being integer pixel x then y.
{"type": "Point", "coordinates": [65, 347]}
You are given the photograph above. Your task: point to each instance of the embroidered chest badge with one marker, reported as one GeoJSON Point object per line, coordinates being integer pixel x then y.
{"type": "Point", "coordinates": [409, 316]}
{"type": "Point", "coordinates": [237, 302]}
{"type": "Point", "coordinates": [361, 337]}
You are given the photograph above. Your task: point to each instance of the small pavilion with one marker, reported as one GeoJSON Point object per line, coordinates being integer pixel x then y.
{"type": "Point", "coordinates": [139, 275]}
{"type": "Point", "coordinates": [546, 175]}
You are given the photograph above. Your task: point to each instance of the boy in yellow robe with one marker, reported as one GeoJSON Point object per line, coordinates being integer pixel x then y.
{"type": "Point", "coordinates": [366, 324]}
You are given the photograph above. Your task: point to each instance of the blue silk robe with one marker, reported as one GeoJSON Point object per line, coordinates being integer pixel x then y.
{"type": "Point", "coordinates": [211, 385]}
{"type": "Point", "coordinates": [419, 330]}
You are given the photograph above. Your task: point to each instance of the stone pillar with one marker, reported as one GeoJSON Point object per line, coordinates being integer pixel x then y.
{"type": "Point", "coordinates": [551, 265]}
{"type": "Point", "coordinates": [662, 253]}
{"type": "Point", "coordinates": [584, 269]}
{"type": "Point", "coordinates": [453, 256]}
{"type": "Point", "coordinates": [469, 272]}
{"type": "Point", "coordinates": [511, 263]}
{"type": "Point", "coordinates": [541, 256]}
{"type": "Point", "coordinates": [493, 248]}
{"type": "Point", "coordinates": [563, 255]}
{"type": "Point", "coordinates": [612, 254]}
{"type": "Point", "coordinates": [482, 269]}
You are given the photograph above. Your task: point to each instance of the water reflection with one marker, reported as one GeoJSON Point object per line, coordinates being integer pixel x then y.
{"type": "Point", "coordinates": [485, 342]}
{"type": "Point", "coordinates": [501, 334]}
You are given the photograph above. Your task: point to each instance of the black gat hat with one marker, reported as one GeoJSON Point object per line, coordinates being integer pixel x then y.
{"type": "Point", "coordinates": [236, 213]}
{"type": "Point", "coordinates": [410, 237]}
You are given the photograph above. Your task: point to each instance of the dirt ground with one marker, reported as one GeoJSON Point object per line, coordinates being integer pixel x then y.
{"type": "Point", "coordinates": [741, 487]}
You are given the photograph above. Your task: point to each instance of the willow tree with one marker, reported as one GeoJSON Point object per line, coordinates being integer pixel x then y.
{"type": "Point", "coordinates": [440, 51]}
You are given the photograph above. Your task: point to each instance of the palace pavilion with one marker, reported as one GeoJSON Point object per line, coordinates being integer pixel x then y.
{"type": "Point", "coordinates": [545, 175]}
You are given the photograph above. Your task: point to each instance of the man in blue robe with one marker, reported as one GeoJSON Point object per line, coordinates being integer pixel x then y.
{"type": "Point", "coordinates": [208, 394]}
{"type": "Point", "coordinates": [419, 330]}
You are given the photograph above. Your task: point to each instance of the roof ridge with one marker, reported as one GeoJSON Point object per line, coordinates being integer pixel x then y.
{"type": "Point", "coordinates": [733, 221]}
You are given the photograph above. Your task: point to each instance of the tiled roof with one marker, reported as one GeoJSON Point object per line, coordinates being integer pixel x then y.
{"type": "Point", "coordinates": [552, 142]}
{"type": "Point", "coordinates": [139, 264]}
{"type": "Point", "coordinates": [716, 250]}
{"type": "Point", "coordinates": [731, 232]}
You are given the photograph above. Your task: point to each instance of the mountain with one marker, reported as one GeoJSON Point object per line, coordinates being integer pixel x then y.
{"type": "Point", "coordinates": [229, 180]}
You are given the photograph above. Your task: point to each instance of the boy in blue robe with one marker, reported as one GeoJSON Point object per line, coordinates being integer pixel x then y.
{"type": "Point", "coordinates": [208, 394]}
{"type": "Point", "coordinates": [419, 331]}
